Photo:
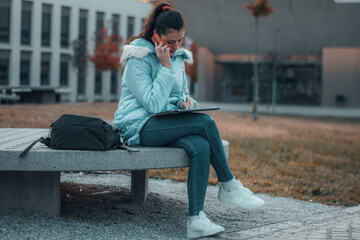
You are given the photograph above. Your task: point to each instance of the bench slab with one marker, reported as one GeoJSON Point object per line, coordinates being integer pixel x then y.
{"type": "Point", "coordinates": [33, 182]}
{"type": "Point", "coordinates": [39, 191]}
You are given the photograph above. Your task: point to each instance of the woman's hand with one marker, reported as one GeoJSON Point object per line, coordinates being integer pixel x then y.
{"type": "Point", "coordinates": [163, 53]}
{"type": "Point", "coordinates": [189, 103]}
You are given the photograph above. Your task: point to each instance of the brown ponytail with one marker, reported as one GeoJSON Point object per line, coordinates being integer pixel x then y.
{"type": "Point", "coordinates": [161, 18]}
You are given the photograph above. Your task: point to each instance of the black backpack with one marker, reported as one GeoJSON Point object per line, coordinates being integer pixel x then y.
{"type": "Point", "coordinates": [81, 133]}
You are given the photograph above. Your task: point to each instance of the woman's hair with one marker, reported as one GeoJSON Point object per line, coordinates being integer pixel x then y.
{"type": "Point", "coordinates": [162, 18]}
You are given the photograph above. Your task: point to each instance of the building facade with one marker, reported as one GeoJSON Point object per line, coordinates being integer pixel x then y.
{"type": "Point", "coordinates": [37, 44]}
{"type": "Point", "coordinates": [341, 74]}
{"type": "Point", "coordinates": [294, 48]}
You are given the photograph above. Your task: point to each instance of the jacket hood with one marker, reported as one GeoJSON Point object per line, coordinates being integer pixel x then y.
{"type": "Point", "coordinates": [140, 48]}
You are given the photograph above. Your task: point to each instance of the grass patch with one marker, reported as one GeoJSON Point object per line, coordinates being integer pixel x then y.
{"type": "Point", "coordinates": [303, 158]}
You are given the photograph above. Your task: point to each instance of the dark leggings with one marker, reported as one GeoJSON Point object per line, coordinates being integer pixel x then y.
{"type": "Point", "coordinates": [198, 134]}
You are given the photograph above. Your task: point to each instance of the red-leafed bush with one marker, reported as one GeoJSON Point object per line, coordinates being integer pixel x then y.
{"type": "Point", "coordinates": [259, 8]}
{"type": "Point", "coordinates": [106, 55]}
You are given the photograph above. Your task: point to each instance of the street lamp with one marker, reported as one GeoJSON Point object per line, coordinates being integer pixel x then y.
{"type": "Point", "coordinates": [258, 8]}
{"type": "Point", "coordinates": [274, 80]}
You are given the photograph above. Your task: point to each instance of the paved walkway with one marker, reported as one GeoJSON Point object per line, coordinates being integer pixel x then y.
{"type": "Point", "coordinates": [280, 218]}
{"type": "Point", "coordinates": [313, 111]}
{"type": "Point", "coordinates": [343, 229]}
{"type": "Point", "coordinates": [346, 227]}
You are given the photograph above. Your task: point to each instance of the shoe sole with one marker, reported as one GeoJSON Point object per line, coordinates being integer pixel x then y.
{"type": "Point", "coordinates": [202, 234]}
{"type": "Point", "coordinates": [241, 206]}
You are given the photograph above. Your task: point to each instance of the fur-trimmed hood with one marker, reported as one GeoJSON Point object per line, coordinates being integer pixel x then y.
{"type": "Point", "coordinates": [140, 48]}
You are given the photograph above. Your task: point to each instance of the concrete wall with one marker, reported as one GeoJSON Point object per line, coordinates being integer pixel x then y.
{"type": "Point", "coordinates": [124, 8]}
{"type": "Point", "coordinates": [307, 26]}
{"type": "Point", "coordinates": [225, 27]}
{"type": "Point", "coordinates": [204, 87]}
{"type": "Point", "coordinates": [341, 76]}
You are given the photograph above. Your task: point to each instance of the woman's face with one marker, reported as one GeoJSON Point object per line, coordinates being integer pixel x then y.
{"type": "Point", "coordinates": [174, 39]}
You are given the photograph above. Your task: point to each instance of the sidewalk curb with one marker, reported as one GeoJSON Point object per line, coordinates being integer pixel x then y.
{"type": "Point", "coordinates": [289, 110]}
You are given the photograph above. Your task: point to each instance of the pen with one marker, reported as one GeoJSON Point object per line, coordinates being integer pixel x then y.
{"type": "Point", "coordinates": [184, 99]}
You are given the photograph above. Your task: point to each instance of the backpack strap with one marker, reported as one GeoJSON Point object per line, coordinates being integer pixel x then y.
{"type": "Point", "coordinates": [130, 149]}
{"type": "Point", "coordinates": [45, 141]}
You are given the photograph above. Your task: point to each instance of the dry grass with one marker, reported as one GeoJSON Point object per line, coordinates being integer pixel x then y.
{"type": "Point", "coordinates": [308, 159]}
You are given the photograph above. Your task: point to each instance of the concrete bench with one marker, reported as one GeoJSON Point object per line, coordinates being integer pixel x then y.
{"type": "Point", "coordinates": [33, 182]}
{"type": "Point", "coordinates": [8, 98]}
{"type": "Point", "coordinates": [41, 94]}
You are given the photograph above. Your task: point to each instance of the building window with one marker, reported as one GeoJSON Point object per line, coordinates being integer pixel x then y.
{"type": "Point", "coordinates": [64, 70]}
{"type": "Point", "coordinates": [237, 82]}
{"type": "Point", "coordinates": [25, 68]}
{"type": "Point", "coordinates": [26, 22]}
{"type": "Point", "coordinates": [5, 20]}
{"type": "Point", "coordinates": [45, 68]}
{"type": "Point", "coordinates": [98, 82]}
{"type": "Point", "coordinates": [130, 27]}
{"type": "Point", "coordinates": [46, 25]}
{"type": "Point", "coordinates": [83, 24]}
{"type": "Point", "coordinates": [114, 80]}
{"type": "Point", "coordinates": [65, 27]}
{"type": "Point", "coordinates": [143, 23]}
{"type": "Point", "coordinates": [99, 25]}
{"type": "Point", "coordinates": [81, 81]}
{"type": "Point", "coordinates": [115, 25]}
{"type": "Point", "coordinates": [4, 67]}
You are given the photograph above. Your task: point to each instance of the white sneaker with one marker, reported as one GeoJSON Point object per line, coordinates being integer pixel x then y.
{"type": "Point", "coordinates": [202, 227]}
{"type": "Point", "coordinates": [240, 196]}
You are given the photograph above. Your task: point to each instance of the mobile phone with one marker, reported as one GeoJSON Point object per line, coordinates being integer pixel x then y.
{"type": "Point", "coordinates": [156, 38]}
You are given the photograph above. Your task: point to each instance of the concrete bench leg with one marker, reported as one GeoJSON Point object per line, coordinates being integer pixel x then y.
{"type": "Point", "coordinates": [139, 185]}
{"type": "Point", "coordinates": [39, 191]}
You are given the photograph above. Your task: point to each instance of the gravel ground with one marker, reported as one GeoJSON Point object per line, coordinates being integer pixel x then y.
{"type": "Point", "coordinates": [97, 206]}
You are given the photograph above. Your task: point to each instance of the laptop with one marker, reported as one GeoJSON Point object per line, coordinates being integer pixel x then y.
{"type": "Point", "coordinates": [178, 111]}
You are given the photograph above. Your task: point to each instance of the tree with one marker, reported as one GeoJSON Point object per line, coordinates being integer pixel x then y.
{"type": "Point", "coordinates": [106, 54]}
{"type": "Point", "coordinates": [79, 58]}
{"type": "Point", "coordinates": [79, 62]}
{"type": "Point", "coordinates": [258, 8]}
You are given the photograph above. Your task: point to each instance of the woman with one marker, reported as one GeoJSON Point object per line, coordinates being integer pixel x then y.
{"type": "Point", "coordinates": [153, 81]}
